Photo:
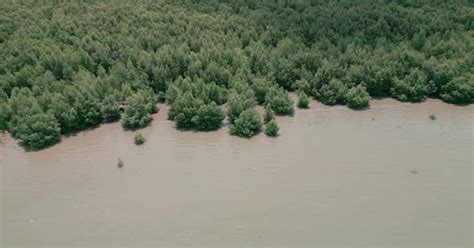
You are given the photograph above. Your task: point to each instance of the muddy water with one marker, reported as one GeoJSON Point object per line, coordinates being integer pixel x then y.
{"type": "Point", "coordinates": [388, 176]}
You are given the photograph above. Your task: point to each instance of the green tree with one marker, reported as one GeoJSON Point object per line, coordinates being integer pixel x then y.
{"type": "Point", "coordinates": [150, 100]}
{"type": "Point", "coordinates": [279, 101]}
{"type": "Point", "coordinates": [459, 91]}
{"type": "Point", "coordinates": [285, 73]}
{"type": "Point", "coordinates": [271, 128]}
{"type": "Point", "coordinates": [136, 113]}
{"type": "Point", "coordinates": [208, 117]}
{"type": "Point", "coordinates": [303, 100]}
{"type": "Point", "coordinates": [261, 87]}
{"type": "Point", "coordinates": [268, 115]}
{"type": "Point", "coordinates": [138, 139]}
{"type": "Point", "coordinates": [247, 124]}
{"type": "Point", "coordinates": [237, 104]}
{"type": "Point", "coordinates": [412, 88]}
{"type": "Point", "coordinates": [110, 109]}
{"type": "Point", "coordinates": [183, 110]}
{"type": "Point", "coordinates": [5, 113]}
{"type": "Point", "coordinates": [357, 97]}
{"type": "Point", "coordinates": [37, 131]}
{"type": "Point", "coordinates": [332, 93]}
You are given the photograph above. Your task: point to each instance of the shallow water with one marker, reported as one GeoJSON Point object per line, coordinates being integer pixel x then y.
{"type": "Point", "coordinates": [387, 176]}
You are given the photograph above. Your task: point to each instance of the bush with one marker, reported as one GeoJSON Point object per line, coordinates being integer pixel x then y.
{"type": "Point", "coordinates": [4, 115]}
{"type": "Point", "coordinates": [459, 91]}
{"type": "Point", "coordinates": [261, 87]}
{"type": "Point", "coordinates": [150, 99]}
{"type": "Point", "coordinates": [412, 88]}
{"type": "Point", "coordinates": [37, 131]}
{"type": "Point", "coordinates": [183, 109]}
{"type": "Point", "coordinates": [110, 109]}
{"type": "Point", "coordinates": [284, 73]}
{"type": "Point", "coordinates": [268, 115]}
{"type": "Point", "coordinates": [303, 85]}
{"type": "Point", "coordinates": [192, 113]}
{"type": "Point", "coordinates": [358, 97]}
{"type": "Point", "coordinates": [247, 124]}
{"type": "Point", "coordinates": [271, 128]}
{"type": "Point", "coordinates": [303, 100]}
{"type": "Point", "coordinates": [136, 113]}
{"type": "Point", "coordinates": [237, 104]}
{"type": "Point", "coordinates": [139, 139]}
{"type": "Point", "coordinates": [279, 101]}
{"type": "Point", "coordinates": [34, 128]}
{"type": "Point", "coordinates": [332, 93]}
{"type": "Point", "coordinates": [208, 117]}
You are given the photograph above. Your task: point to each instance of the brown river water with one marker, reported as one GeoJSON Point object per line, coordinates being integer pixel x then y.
{"type": "Point", "coordinates": [384, 177]}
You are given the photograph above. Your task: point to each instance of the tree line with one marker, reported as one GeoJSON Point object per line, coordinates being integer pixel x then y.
{"type": "Point", "coordinates": [66, 66]}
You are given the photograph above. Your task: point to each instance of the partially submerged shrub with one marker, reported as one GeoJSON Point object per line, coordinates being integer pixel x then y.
{"type": "Point", "coordinates": [261, 86]}
{"type": "Point", "coordinates": [332, 93]}
{"type": "Point", "coordinates": [358, 97]}
{"type": "Point", "coordinates": [208, 117]}
{"type": "Point", "coordinates": [303, 100]}
{"type": "Point", "coordinates": [271, 128]}
{"type": "Point", "coordinates": [139, 139]}
{"type": "Point", "coordinates": [237, 104]}
{"type": "Point", "coordinates": [268, 115]}
{"type": "Point", "coordinates": [279, 101]}
{"type": "Point", "coordinates": [247, 124]}
{"type": "Point", "coordinates": [137, 113]}
{"type": "Point", "coordinates": [412, 88]}
{"type": "Point", "coordinates": [459, 91]}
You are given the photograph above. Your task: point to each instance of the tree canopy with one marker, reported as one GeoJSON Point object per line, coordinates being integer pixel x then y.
{"type": "Point", "coordinates": [66, 66]}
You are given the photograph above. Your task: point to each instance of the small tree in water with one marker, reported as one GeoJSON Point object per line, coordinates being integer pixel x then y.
{"type": "Point", "coordinates": [358, 98]}
{"type": "Point", "coordinates": [303, 101]}
{"type": "Point", "coordinates": [268, 116]}
{"type": "Point", "coordinates": [247, 124]}
{"type": "Point", "coordinates": [139, 139]}
{"type": "Point", "coordinates": [271, 128]}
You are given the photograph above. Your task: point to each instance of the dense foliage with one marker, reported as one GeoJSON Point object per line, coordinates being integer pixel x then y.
{"type": "Point", "coordinates": [271, 128]}
{"type": "Point", "coordinates": [279, 101]}
{"type": "Point", "coordinates": [268, 115]}
{"type": "Point", "coordinates": [66, 66]}
{"type": "Point", "coordinates": [303, 100]}
{"type": "Point", "coordinates": [247, 124]}
{"type": "Point", "coordinates": [137, 113]}
{"type": "Point", "coordinates": [358, 97]}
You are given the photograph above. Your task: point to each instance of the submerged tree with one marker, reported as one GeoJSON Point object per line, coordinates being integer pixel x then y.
{"type": "Point", "coordinates": [459, 90]}
{"type": "Point", "coordinates": [357, 97]}
{"type": "Point", "coordinates": [279, 101]}
{"type": "Point", "coordinates": [237, 104]}
{"type": "Point", "coordinates": [332, 93]}
{"type": "Point", "coordinates": [138, 139]}
{"type": "Point", "coordinates": [37, 131]}
{"type": "Point", "coordinates": [412, 88]}
{"type": "Point", "coordinates": [268, 115]}
{"type": "Point", "coordinates": [247, 124]}
{"type": "Point", "coordinates": [271, 128]}
{"type": "Point", "coordinates": [303, 100]}
{"type": "Point", "coordinates": [110, 109]}
{"type": "Point", "coordinates": [208, 117]}
{"type": "Point", "coordinates": [136, 113]}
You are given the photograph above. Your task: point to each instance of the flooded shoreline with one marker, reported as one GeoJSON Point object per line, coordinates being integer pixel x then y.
{"type": "Point", "coordinates": [386, 176]}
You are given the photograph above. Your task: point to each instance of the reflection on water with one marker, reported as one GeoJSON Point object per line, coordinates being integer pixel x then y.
{"type": "Point", "coordinates": [334, 177]}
